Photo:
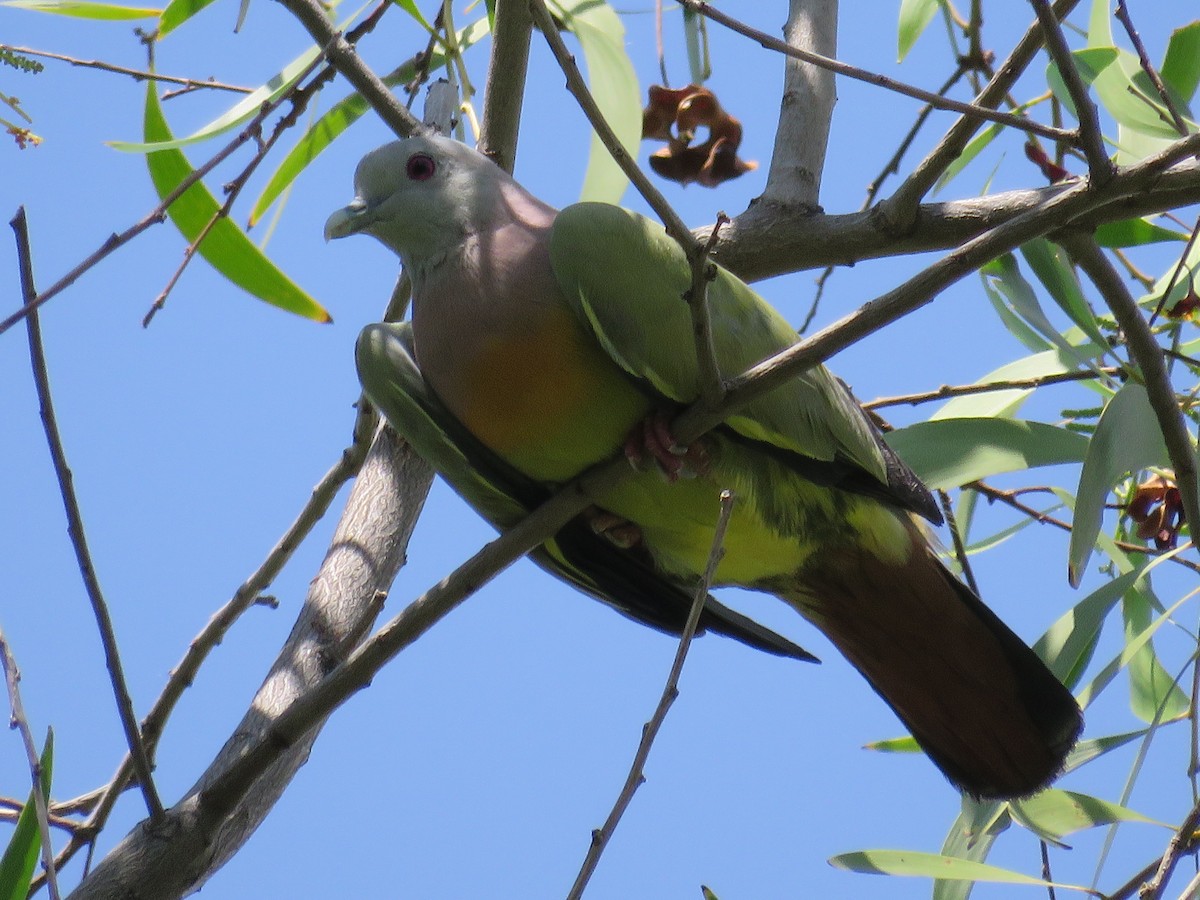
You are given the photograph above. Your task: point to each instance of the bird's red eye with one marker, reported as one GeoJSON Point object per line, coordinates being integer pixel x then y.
{"type": "Point", "coordinates": [420, 167]}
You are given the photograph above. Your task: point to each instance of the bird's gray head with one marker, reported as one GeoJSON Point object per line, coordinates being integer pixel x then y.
{"type": "Point", "coordinates": [421, 197]}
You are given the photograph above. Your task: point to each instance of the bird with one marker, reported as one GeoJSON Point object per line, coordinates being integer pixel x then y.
{"type": "Point", "coordinates": [543, 341]}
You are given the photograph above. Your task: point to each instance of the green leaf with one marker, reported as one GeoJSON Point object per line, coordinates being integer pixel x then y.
{"type": "Point", "coordinates": [915, 16]}
{"type": "Point", "coordinates": [1015, 324]}
{"type": "Point", "coordinates": [344, 113]}
{"type": "Point", "coordinates": [1093, 748]}
{"type": "Point", "coordinates": [1135, 233]}
{"type": "Point", "coordinates": [238, 114]}
{"type": "Point", "coordinates": [895, 745]}
{"type": "Point", "coordinates": [1006, 276]}
{"type": "Point", "coordinates": [82, 9]}
{"type": "Point", "coordinates": [1126, 440]}
{"type": "Point", "coordinates": [1068, 645]}
{"type": "Point", "coordinates": [226, 247]}
{"type": "Point", "coordinates": [972, 150]}
{"type": "Point", "coordinates": [178, 12]}
{"type": "Point", "coordinates": [1181, 65]}
{"type": "Point", "coordinates": [1089, 64]}
{"type": "Point", "coordinates": [952, 452]}
{"type": "Point", "coordinates": [25, 846]}
{"type": "Point", "coordinates": [935, 865]}
{"type": "Point", "coordinates": [1153, 694]}
{"type": "Point", "coordinates": [1052, 268]}
{"type": "Point", "coordinates": [1131, 98]}
{"type": "Point", "coordinates": [411, 8]}
{"type": "Point", "coordinates": [971, 837]}
{"type": "Point", "coordinates": [614, 86]}
{"type": "Point", "coordinates": [696, 38]}
{"type": "Point", "coordinates": [1052, 814]}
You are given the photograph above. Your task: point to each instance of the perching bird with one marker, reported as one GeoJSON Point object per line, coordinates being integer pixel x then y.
{"type": "Point", "coordinates": [550, 340]}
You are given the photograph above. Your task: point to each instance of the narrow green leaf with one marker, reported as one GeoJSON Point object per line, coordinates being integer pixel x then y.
{"type": "Point", "coordinates": [411, 8]}
{"type": "Point", "coordinates": [1015, 325]}
{"type": "Point", "coordinates": [972, 150]}
{"type": "Point", "coordinates": [1007, 277]}
{"type": "Point", "coordinates": [935, 865]}
{"type": "Point", "coordinates": [1089, 63]}
{"type": "Point", "coordinates": [1181, 65]}
{"type": "Point", "coordinates": [238, 114]}
{"type": "Point", "coordinates": [614, 86]}
{"type": "Point", "coordinates": [894, 745]}
{"type": "Point", "coordinates": [915, 16]}
{"type": "Point", "coordinates": [1052, 268]}
{"type": "Point", "coordinates": [971, 837]}
{"type": "Point", "coordinates": [1131, 98]}
{"type": "Point", "coordinates": [344, 113]}
{"type": "Point", "coordinates": [952, 452]}
{"type": "Point", "coordinates": [25, 846]}
{"type": "Point", "coordinates": [1127, 439]}
{"type": "Point", "coordinates": [1093, 748]}
{"type": "Point", "coordinates": [1153, 694]}
{"type": "Point", "coordinates": [1135, 233]}
{"type": "Point", "coordinates": [1052, 814]}
{"type": "Point", "coordinates": [178, 12]}
{"type": "Point", "coordinates": [82, 9]}
{"type": "Point", "coordinates": [1068, 645]}
{"type": "Point", "coordinates": [696, 38]}
{"type": "Point", "coordinates": [226, 247]}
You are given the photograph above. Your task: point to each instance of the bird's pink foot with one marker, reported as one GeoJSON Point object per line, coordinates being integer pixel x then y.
{"type": "Point", "coordinates": [616, 530]}
{"type": "Point", "coordinates": [651, 440]}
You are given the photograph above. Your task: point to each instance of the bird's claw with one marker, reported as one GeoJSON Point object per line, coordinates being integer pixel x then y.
{"type": "Point", "coordinates": [651, 438]}
{"type": "Point", "coordinates": [616, 530]}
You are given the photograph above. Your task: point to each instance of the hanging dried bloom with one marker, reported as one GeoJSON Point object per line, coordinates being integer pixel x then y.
{"type": "Point", "coordinates": [674, 116]}
{"type": "Point", "coordinates": [1157, 510]}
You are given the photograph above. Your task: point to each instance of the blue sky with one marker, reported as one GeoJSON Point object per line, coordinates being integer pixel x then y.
{"type": "Point", "coordinates": [478, 762]}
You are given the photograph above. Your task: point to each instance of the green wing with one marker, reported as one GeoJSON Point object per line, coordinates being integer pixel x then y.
{"type": "Point", "coordinates": [625, 277]}
{"type": "Point", "coordinates": [624, 579]}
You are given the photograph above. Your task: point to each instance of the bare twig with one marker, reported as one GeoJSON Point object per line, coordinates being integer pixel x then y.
{"type": "Point", "coordinates": [712, 386]}
{"type": "Point", "coordinates": [899, 87]}
{"type": "Point", "coordinates": [1122, 14]}
{"type": "Point", "coordinates": [578, 87]}
{"type": "Point", "coordinates": [960, 549]}
{"type": "Point", "coordinates": [633, 781]}
{"type": "Point", "coordinates": [1012, 499]}
{"type": "Point", "coordinates": [155, 216]}
{"type": "Point", "coordinates": [1149, 357]}
{"type": "Point", "coordinates": [899, 210]}
{"type": "Point", "coordinates": [947, 391]}
{"type": "Point", "coordinates": [1181, 843]}
{"type": "Point", "coordinates": [342, 55]}
{"type": "Point", "coordinates": [136, 74]}
{"type": "Point", "coordinates": [1090, 136]}
{"type": "Point", "coordinates": [104, 623]}
{"type": "Point", "coordinates": [12, 677]}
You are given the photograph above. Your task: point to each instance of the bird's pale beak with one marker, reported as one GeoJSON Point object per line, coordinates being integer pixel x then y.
{"type": "Point", "coordinates": [348, 220]}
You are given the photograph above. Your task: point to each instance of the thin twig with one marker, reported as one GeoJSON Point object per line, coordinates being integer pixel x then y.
{"type": "Point", "coordinates": [300, 98]}
{"type": "Point", "coordinates": [91, 583]}
{"type": "Point", "coordinates": [1122, 14]}
{"type": "Point", "coordinates": [578, 87]}
{"type": "Point", "coordinates": [900, 209]}
{"type": "Point", "coordinates": [1150, 359]}
{"type": "Point", "coordinates": [1100, 166]}
{"type": "Point", "coordinates": [136, 74]}
{"type": "Point", "coordinates": [182, 676]}
{"type": "Point", "coordinates": [1177, 272]}
{"type": "Point", "coordinates": [1180, 844]}
{"type": "Point", "coordinates": [154, 217]}
{"type": "Point", "coordinates": [603, 835]}
{"type": "Point", "coordinates": [960, 549]}
{"type": "Point", "coordinates": [12, 677]}
{"type": "Point", "coordinates": [890, 84]}
{"type": "Point", "coordinates": [947, 391]}
{"type": "Point", "coordinates": [712, 386]}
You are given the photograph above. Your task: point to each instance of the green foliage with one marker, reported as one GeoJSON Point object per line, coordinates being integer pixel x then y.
{"type": "Point", "coordinates": [25, 846]}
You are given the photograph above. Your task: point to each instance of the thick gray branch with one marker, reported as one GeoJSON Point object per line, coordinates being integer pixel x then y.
{"type": "Point", "coordinates": [175, 858]}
